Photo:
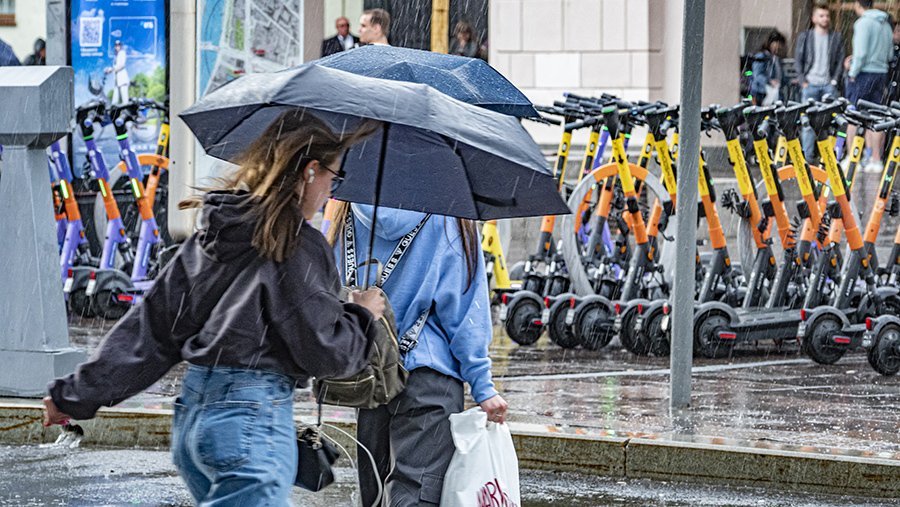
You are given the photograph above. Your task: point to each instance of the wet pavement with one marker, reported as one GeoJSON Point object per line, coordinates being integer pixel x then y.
{"type": "Point", "coordinates": [37, 476]}
{"type": "Point", "coordinates": [762, 397]}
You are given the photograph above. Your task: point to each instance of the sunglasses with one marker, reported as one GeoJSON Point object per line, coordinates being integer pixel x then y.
{"type": "Point", "coordinates": [339, 176]}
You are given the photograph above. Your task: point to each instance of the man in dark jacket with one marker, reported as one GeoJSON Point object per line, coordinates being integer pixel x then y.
{"type": "Point", "coordinates": [343, 41]}
{"type": "Point", "coordinates": [819, 56]}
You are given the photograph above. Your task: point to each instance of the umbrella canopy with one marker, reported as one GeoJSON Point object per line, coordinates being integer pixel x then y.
{"type": "Point", "coordinates": [470, 80]}
{"type": "Point", "coordinates": [440, 156]}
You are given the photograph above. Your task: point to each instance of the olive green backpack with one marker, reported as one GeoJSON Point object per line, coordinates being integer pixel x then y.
{"type": "Point", "coordinates": [384, 377]}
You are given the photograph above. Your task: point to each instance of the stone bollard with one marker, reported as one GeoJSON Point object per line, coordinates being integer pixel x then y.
{"type": "Point", "coordinates": [37, 109]}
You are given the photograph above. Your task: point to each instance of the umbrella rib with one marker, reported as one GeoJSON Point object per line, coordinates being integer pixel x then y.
{"type": "Point", "coordinates": [462, 162]}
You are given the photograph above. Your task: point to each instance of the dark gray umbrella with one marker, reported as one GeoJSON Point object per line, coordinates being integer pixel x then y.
{"type": "Point", "coordinates": [434, 153]}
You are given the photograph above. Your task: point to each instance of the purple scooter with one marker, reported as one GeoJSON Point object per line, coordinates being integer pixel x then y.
{"type": "Point", "coordinates": [74, 256]}
{"type": "Point", "coordinates": [116, 240]}
{"type": "Point", "coordinates": [114, 291]}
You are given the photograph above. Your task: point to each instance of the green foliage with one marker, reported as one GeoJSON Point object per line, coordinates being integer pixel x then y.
{"type": "Point", "coordinates": [151, 86]}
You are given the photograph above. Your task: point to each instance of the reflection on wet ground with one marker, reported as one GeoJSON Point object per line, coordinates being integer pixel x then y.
{"type": "Point", "coordinates": [762, 397]}
{"type": "Point", "coordinates": [36, 476]}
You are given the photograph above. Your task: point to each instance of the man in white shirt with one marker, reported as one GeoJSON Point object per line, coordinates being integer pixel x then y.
{"type": "Point", "coordinates": [343, 41]}
{"type": "Point", "coordinates": [120, 92]}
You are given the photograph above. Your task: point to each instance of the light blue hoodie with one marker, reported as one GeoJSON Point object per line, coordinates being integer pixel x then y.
{"type": "Point", "coordinates": [456, 335]}
{"type": "Point", "coordinates": [872, 43]}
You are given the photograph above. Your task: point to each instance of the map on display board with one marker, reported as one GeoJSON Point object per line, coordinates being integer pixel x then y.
{"type": "Point", "coordinates": [239, 37]}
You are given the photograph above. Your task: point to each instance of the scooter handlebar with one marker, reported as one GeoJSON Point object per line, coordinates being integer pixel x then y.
{"type": "Point", "coordinates": [585, 122]}
{"type": "Point", "coordinates": [872, 106]}
{"type": "Point", "coordinates": [885, 125]}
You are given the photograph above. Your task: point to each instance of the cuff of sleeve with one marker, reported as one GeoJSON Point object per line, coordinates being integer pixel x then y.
{"type": "Point", "coordinates": [366, 319]}
{"type": "Point", "coordinates": [66, 400]}
{"type": "Point", "coordinates": [483, 392]}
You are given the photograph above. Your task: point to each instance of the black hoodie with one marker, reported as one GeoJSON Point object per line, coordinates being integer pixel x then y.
{"type": "Point", "coordinates": [281, 317]}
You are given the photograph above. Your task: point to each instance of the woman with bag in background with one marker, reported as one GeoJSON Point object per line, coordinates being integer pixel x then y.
{"type": "Point", "coordinates": [438, 290]}
{"type": "Point", "coordinates": [768, 73]}
{"type": "Point", "coordinates": [251, 302]}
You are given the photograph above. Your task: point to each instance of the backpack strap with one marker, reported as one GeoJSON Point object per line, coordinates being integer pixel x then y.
{"type": "Point", "coordinates": [351, 266]}
{"type": "Point", "coordinates": [410, 338]}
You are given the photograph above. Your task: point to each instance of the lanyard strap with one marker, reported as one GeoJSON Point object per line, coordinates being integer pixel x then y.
{"type": "Point", "coordinates": [350, 263]}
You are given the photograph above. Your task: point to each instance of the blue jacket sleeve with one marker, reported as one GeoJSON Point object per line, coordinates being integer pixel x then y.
{"type": "Point", "coordinates": [464, 314]}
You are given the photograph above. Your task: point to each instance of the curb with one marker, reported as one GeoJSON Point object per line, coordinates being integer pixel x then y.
{"type": "Point", "coordinates": [637, 458]}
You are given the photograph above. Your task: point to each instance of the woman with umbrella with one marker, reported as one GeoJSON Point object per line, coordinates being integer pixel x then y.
{"type": "Point", "coordinates": [251, 302]}
{"type": "Point", "coordinates": [441, 277]}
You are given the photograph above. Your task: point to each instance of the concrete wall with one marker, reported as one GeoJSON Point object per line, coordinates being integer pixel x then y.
{"type": "Point", "coordinates": [631, 48]}
{"type": "Point", "coordinates": [546, 47]}
{"type": "Point", "coordinates": [31, 23]}
{"type": "Point", "coordinates": [777, 13]}
{"type": "Point", "coordinates": [313, 33]}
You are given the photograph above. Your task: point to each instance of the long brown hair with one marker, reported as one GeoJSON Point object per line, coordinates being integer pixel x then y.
{"type": "Point", "coordinates": [468, 235]}
{"type": "Point", "coordinates": [271, 170]}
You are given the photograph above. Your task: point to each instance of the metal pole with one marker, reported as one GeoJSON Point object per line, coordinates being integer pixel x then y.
{"type": "Point", "coordinates": [182, 89]}
{"type": "Point", "coordinates": [686, 210]}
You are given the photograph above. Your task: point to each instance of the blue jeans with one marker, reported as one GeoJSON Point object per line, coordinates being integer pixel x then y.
{"type": "Point", "coordinates": [233, 436]}
{"type": "Point", "coordinates": [807, 136]}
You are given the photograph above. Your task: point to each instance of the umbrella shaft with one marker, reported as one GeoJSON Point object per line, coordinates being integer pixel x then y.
{"type": "Point", "coordinates": [379, 177]}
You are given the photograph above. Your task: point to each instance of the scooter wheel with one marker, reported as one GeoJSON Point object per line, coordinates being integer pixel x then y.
{"type": "Point", "coordinates": [609, 289]}
{"type": "Point", "coordinates": [653, 333]}
{"type": "Point", "coordinates": [80, 304]}
{"type": "Point", "coordinates": [558, 286]}
{"type": "Point", "coordinates": [884, 355]}
{"type": "Point", "coordinates": [105, 300]}
{"type": "Point", "coordinates": [706, 335]}
{"type": "Point", "coordinates": [534, 284]}
{"type": "Point", "coordinates": [594, 327]}
{"type": "Point", "coordinates": [817, 342]}
{"type": "Point", "coordinates": [561, 333]}
{"type": "Point", "coordinates": [519, 322]}
{"type": "Point", "coordinates": [636, 343]}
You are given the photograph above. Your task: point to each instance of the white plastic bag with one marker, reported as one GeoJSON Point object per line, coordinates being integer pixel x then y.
{"type": "Point", "coordinates": [484, 471]}
{"type": "Point", "coordinates": [772, 93]}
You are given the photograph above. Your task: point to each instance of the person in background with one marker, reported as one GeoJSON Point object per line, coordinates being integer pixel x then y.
{"type": "Point", "coordinates": [343, 41]}
{"type": "Point", "coordinates": [893, 91]}
{"type": "Point", "coordinates": [464, 42]}
{"type": "Point", "coordinates": [867, 70]}
{"type": "Point", "coordinates": [39, 56]}
{"type": "Point", "coordinates": [7, 55]}
{"type": "Point", "coordinates": [768, 73]}
{"type": "Point", "coordinates": [819, 57]}
{"type": "Point", "coordinates": [374, 27]}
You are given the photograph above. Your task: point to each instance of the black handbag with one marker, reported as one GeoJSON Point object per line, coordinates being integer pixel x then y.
{"type": "Point", "coordinates": [315, 456]}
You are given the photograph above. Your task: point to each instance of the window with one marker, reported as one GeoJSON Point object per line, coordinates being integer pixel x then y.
{"type": "Point", "coordinates": [7, 12]}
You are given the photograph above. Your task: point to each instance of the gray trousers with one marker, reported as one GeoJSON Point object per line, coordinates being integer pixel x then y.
{"type": "Point", "coordinates": [410, 440]}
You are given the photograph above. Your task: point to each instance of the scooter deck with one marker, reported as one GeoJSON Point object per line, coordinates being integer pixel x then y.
{"type": "Point", "coordinates": [763, 324]}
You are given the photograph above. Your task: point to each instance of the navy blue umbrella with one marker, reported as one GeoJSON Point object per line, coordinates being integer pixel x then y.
{"type": "Point", "coordinates": [434, 153]}
{"type": "Point", "coordinates": [467, 79]}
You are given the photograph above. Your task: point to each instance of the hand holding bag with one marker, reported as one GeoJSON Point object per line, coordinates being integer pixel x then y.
{"type": "Point", "coordinates": [484, 471]}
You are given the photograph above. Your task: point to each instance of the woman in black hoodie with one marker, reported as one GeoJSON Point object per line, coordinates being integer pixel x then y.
{"type": "Point", "coordinates": [250, 301]}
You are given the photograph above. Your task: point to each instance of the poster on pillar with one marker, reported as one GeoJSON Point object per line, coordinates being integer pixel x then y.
{"type": "Point", "coordinates": [119, 52]}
